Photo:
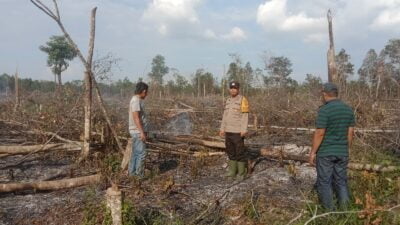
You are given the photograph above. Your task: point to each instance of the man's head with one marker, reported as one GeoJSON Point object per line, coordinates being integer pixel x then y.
{"type": "Point", "coordinates": [141, 90]}
{"type": "Point", "coordinates": [234, 88]}
{"type": "Point", "coordinates": [329, 91]}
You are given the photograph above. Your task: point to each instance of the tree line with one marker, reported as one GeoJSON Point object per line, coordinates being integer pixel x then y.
{"type": "Point", "coordinates": [379, 73]}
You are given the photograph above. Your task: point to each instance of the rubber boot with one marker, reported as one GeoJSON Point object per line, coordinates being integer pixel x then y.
{"type": "Point", "coordinates": [242, 171]}
{"type": "Point", "coordinates": [233, 168]}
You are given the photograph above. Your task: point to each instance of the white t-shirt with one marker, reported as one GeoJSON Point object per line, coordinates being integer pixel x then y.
{"type": "Point", "coordinates": [137, 105]}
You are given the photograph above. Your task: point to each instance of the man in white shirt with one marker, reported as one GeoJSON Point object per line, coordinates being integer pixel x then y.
{"type": "Point", "coordinates": [138, 128]}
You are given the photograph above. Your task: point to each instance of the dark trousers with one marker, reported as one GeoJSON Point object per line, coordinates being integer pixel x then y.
{"type": "Point", "coordinates": [235, 147]}
{"type": "Point", "coordinates": [332, 174]}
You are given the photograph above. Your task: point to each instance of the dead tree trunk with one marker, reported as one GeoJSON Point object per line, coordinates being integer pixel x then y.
{"type": "Point", "coordinates": [105, 113]}
{"type": "Point", "coordinates": [51, 185]}
{"type": "Point", "coordinates": [332, 69]}
{"type": "Point", "coordinates": [379, 75]}
{"type": "Point", "coordinates": [89, 78]}
{"type": "Point", "coordinates": [17, 98]}
{"type": "Point", "coordinates": [88, 110]}
{"type": "Point", "coordinates": [21, 150]}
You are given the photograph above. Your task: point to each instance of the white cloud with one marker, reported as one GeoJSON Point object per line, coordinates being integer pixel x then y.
{"type": "Point", "coordinates": [209, 34]}
{"type": "Point", "coordinates": [236, 34]}
{"type": "Point", "coordinates": [301, 22]}
{"type": "Point", "coordinates": [274, 16]}
{"type": "Point", "coordinates": [315, 38]}
{"type": "Point", "coordinates": [387, 19]}
{"type": "Point", "coordinates": [166, 13]}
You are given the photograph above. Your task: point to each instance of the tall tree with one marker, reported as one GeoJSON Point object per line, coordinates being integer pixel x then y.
{"type": "Point", "coordinates": [204, 82]}
{"type": "Point", "coordinates": [279, 69]}
{"type": "Point", "coordinates": [242, 74]}
{"type": "Point", "coordinates": [312, 82]}
{"type": "Point", "coordinates": [59, 52]}
{"type": "Point", "coordinates": [368, 69]}
{"type": "Point", "coordinates": [344, 67]}
{"type": "Point", "coordinates": [181, 83]}
{"type": "Point", "coordinates": [158, 70]}
{"type": "Point", "coordinates": [390, 55]}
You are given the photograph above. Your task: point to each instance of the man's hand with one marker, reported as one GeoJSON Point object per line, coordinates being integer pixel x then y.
{"type": "Point", "coordinates": [221, 133]}
{"type": "Point", "coordinates": [311, 160]}
{"type": "Point", "coordinates": [243, 134]}
{"type": "Point", "coordinates": [142, 136]}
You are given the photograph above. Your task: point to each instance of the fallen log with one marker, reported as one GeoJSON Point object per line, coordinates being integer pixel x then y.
{"type": "Point", "coordinates": [187, 153]}
{"type": "Point", "coordinates": [51, 185]}
{"type": "Point", "coordinates": [358, 130]}
{"type": "Point", "coordinates": [193, 140]}
{"type": "Point", "coordinates": [21, 150]}
{"type": "Point", "coordinates": [276, 153]}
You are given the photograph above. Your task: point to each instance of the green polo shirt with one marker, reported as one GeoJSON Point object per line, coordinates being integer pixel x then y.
{"type": "Point", "coordinates": [336, 117]}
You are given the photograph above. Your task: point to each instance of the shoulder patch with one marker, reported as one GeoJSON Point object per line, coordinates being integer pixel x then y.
{"type": "Point", "coordinates": [244, 105]}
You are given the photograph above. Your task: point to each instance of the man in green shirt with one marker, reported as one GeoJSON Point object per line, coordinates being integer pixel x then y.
{"type": "Point", "coordinates": [332, 138]}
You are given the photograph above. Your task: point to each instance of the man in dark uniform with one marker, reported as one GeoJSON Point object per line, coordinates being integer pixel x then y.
{"type": "Point", "coordinates": [234, 127]}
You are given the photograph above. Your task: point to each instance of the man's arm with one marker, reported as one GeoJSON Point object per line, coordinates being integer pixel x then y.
{"type": "Point", "coordinates": [317, 140]}
{"type": "Point", "coordinates": [244, 108]}
{"type": "Point", "coordinates": [350, 136]}
{"type": "Point", "coordinates": [136, 120]}
{"type": "Point", "coordinates": [223, 123]}
{"type": "Point", "coordinates": [244, 123]}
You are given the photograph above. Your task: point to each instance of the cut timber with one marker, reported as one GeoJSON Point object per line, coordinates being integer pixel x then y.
{"type": "Point", "coordinates": [194, 140]}
{"type": "Point", "coordinates": [373, 167]}
{"type": "Point", "coordinates": [185, 105]}
{"type": "Point", "coordinates": [280, 154]}
{"type": "Point", "coordinates": [51, 185]}
{"type": "Point", "coordinates": [114, 203]}
{"type": "Point", "coordinates": [127, 155]}
{"type": "Point", "coordinates": [21, 150]}
{"type": "Point", "coordinates": [187, 153]}
{"type": "Point", "coordinates": [358, 130]}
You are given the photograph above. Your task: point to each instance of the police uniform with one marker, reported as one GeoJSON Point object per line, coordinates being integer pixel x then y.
{"type": "Point", "coordinates": [234, 122]}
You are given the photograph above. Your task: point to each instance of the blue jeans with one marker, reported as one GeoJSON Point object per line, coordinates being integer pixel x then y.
{"type": "Point", "coordinates": [332, 173]}
{"type": "Point", "coordinates": [136, 165]}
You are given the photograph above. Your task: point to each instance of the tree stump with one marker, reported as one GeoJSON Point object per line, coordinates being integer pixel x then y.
{"type": "Point", "coordinates": [114, 203]}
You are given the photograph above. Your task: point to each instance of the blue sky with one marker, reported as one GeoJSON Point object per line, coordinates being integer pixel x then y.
{"type": "Point", "coordinates": [194, 34]}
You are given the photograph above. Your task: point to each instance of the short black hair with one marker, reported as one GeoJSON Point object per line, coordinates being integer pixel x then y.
{"type": "Point", "coordinates": [332, 93]}
{"type": "Point", "coordinates": [330, 89]}
{"type": "Point", "coordinates": [140, 87]}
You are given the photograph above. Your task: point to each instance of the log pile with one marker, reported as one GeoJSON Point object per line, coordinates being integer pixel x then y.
{"type": "Point", "coordinates": [176, 145]}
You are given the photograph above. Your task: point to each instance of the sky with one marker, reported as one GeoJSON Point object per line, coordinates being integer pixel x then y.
{"type": "Point", "coordinates": [193, 34]}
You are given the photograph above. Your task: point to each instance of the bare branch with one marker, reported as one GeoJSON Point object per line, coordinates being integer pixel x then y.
{"type": "Point", "coordinates": [44, 8]}
{"type": "Point", "coordinates": [57, 11]}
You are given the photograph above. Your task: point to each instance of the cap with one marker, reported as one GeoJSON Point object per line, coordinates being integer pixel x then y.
{"type": "Point", "coordinates": [234, 84]}
{"type": "Point", "coordinates": [329, 87]}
